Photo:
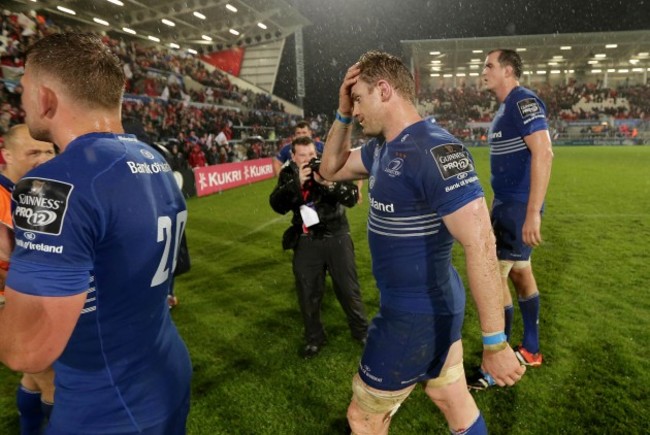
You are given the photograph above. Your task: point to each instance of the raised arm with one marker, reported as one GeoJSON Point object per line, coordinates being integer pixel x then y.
{"type": "Point", "coordinates": [339, 161]}
{"type": "Point", "coordinates": [470, 226]}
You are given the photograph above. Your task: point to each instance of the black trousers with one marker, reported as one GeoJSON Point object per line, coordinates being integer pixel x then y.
{"type": "Point", "coordinates": [311, 259]}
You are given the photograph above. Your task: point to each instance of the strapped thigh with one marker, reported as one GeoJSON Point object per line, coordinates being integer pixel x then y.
{"type": "Point", "coordinates": [447, 376]}
{"type": "Point", "coordinates": [377, 401]}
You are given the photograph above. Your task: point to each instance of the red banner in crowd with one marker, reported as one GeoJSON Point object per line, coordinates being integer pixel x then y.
{"type": "Point", "coordinates": [215, 178]}
{"type": "Point", "coordinates": [229, 61]}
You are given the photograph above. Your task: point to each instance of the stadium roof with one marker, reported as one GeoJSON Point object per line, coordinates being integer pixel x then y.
{"type": "Point", "coordinates": [210, 25]}
{"type": "Point", "coordinates": [575, 53]}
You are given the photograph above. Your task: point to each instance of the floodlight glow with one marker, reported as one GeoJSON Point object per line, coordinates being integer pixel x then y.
{"type": "Point", "coordinates": [231, 8]}
{"type": "Point", "coordinates": [168, 22]}
{"type": "Point", "coordinates": [131, 31]}
{"type": "Point", "coordinates": [206, 38]}
{"type": "Point", "coordinates": [600, 55]}
{"type": "Point", "coordinates": [199, 15]}
{"type": "Point", "coordinates": [191, 50]}
{"type": "Point", "coordinates": [66, 10]}
{"type": "Point", "coordinates": [116, 2]}
{"type": "Point", "coordinates": [173, 45]}
{"type": "Point", "coordinates": [565, 47]}
{"type": "Point", "coordinates": [262, 26]}
{"type": "Point", "coordinates": [521, 49]}
{"type": "Point", "coordinates": [234, 32]}
{"type": "Point", "coordinates": [611, 45]}
{"type": "Point", "coordinates": [100, 21]}
{"type": "Point", "coordinates": [153, 38]}
{"type": "Point", "coordinates": [477, 51]}
{"type": "Point", "coordinates": [434, 53]}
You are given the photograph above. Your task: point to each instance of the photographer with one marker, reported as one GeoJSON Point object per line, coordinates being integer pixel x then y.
{"type": "Point", "coordinates": [320, 239]}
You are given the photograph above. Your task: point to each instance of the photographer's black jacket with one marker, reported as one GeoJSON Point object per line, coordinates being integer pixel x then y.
{"type": "Point", "coordinates": [328, 202]}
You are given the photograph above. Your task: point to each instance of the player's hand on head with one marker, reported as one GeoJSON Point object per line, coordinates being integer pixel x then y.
{"type": "Point", "coordinates": [345, 92]}
{"type": "Point", "coordinates": [503, 366]}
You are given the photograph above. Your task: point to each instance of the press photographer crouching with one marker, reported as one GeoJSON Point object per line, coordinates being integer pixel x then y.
{"type": "Point", "coordinates": [320, 239]}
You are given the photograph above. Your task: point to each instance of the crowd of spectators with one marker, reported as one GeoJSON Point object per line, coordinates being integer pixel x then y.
{"type": "Point", "coordinates": [214, 122]}
{"type": "Point", "coordinates": [462, 107]}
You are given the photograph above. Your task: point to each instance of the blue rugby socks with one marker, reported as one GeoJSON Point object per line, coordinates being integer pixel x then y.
{"type": "Point", "coordinates": [29, 407]}
{"type": "Point", "coordinates": [509, 313]}
{"type": "Point", "coordinates": [530, 315]}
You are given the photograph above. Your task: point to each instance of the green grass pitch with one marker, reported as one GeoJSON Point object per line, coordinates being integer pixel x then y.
{"type": "Point", "coordinates": [239, 317]}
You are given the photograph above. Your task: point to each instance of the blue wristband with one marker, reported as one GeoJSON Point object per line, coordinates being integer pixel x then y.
{"type": "Point", "coordinates": [343, 119]}
{"type": "Point", "coordinates": [493, 339]}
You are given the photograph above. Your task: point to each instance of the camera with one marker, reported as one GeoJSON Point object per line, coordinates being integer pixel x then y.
{"type": "Point", "coordinates": [314, 164]}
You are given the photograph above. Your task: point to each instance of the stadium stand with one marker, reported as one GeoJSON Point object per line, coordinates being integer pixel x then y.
{"type": "Point", "coordinates": [159, 96]}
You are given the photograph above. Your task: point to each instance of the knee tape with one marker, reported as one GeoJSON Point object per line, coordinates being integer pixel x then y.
{"type": "Point", "coordinates": [505, 266]}
{"type": "Point", "coordinates": [518, 265]}
{"type": "Point", "coordinates": [376, 401]}
{"type": "Point", "coordinates": [447, 376]}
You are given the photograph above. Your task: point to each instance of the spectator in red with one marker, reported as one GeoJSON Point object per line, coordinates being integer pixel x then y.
{"type": "Point", "coordinates": [197, 157]}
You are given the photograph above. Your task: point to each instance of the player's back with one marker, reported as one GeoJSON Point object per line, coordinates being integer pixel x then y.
{"type": "Point", "coordinates": [118, 219]}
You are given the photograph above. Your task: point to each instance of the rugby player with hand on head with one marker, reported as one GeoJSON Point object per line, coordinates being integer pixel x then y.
{"type": "Point", "coordinates": [423, 193]}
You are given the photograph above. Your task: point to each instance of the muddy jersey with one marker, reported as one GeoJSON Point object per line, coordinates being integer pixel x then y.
{"type": "Point", "coordinates": [522, 113]}
{"type": "Point", "coordinates": [104, 218]}
{"type": "Point", "coordinates": [422, 175]}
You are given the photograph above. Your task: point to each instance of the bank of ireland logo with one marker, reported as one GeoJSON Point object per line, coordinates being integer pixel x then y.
{"type": "Point", "coordinates": [394, 167]}
{"type": "Point", "coordinates": [147, 154]}
{"type": "Point", "coordinates": [371, 182]}
{"type": "Point", "coordinates": [29, 236]}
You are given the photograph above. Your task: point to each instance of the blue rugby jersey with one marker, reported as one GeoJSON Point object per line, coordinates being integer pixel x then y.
{"type": "Point", "coordinates": [105, 218]}
{"type": "Point", "coordinates": [521, 114]}
{"type": "Point", "coordinates": [422, 175]}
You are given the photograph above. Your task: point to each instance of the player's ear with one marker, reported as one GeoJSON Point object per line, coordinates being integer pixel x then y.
{"type": "Point", "coordinates": [48, 102]}
{"type": "Point", "coordinates": [385, 90]}
{"type": "Point", "coordinates": [6, 154]}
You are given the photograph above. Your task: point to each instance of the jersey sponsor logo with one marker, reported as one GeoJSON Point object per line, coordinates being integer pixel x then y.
{"type": "Point", "coordinates": [495, 135]}
{"type": "Point", "coordinates": [148, 168]}
{"type": "Point", "coordinates": [41, 205]}
{"type": "Point", "coordinates": [452, 160]}
{"type": "Point", "coordinates": [394, 166]}
{"type": "Point", "coordinates": [147, 154]}
{"type": "Point", "coordinates": [371, 182]}
{"type": "Point", "coordinates": [42, 247]}
{"type": "Point", "coordinates": [388, 208]}
{"type": "Point", "coordinates": [529, 107]}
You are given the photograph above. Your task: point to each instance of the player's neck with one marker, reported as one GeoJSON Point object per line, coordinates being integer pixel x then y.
{"type": "Point", "coordinates": [401, 116]}
{"type": "Point", "coordinates": [502, 92]}
{"type": "Point", "coordinates": [8, 173]}
{"type": "Point", "coordinates": [76, 126]}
